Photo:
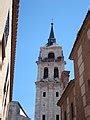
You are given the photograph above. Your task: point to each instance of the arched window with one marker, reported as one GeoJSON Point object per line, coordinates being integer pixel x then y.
{"type": "Point", "coordinates": [56, 73]}
{"type": "Point", "coordinates": [51, 55]}
{"type": "Point", "coordinates": [45, 73]}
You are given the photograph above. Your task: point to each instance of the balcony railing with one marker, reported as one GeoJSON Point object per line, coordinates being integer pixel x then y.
{"type": "Point", "coordinates": [58, 59]}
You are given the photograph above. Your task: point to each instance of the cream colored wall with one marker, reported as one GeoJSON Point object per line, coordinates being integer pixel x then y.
{"type": "Point", "coordinates": [0, 79]}
{"type": "Point", "coordinates": [5, 6]}
{"type": "Point", "coordinates": [7, 61]}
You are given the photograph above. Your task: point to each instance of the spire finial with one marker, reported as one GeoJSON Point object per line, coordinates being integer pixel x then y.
{"type": "Point", "coordinates": [52, 24]}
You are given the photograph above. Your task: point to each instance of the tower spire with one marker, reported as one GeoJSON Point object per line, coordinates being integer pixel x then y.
{"type": "Point", "coordinates": [51, 38]}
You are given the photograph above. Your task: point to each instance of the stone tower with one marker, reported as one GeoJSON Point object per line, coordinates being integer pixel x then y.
{"type": "Point", "coordinates": [50, 66]}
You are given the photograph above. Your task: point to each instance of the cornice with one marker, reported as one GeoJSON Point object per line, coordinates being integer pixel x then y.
{"type": "Point", "coordinates": [47, 83]}
{"type": "Point", "coordinates": [15, 10]}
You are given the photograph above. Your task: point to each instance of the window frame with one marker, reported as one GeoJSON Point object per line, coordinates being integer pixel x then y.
{"type": "Point", "coordinates": [57, 117]}
{"type": "Point", "coordinates": [56, 72]}
{"type": "Point", "coordinates": [51, 55]}
{"type": "Point", "coordinates": [72, 111]}
{"type": "Point", "coordinates": [65, 115]}
{"type": "Point", "coordinates": [43, 117]}
{"type": "Point", "coordinates": [45, 73]}
{"type": "Point", "coordinates": [57, 94]}
{"type": "Point", "coordinates": [44, 94]}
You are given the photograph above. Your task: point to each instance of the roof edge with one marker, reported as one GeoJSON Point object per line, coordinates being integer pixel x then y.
{"type": "Point", "coordinates": [70, 83]}
{"type": "Point", "coordinates": [15, 10]}
{"type": "Point", "coordinates": [87, 15]}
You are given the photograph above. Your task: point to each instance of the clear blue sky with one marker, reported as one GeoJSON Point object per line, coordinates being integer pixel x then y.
{"type": "Point", "coordinates": [35, 17]}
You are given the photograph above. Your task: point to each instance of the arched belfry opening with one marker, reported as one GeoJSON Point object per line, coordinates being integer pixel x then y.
{"type": "Point", "coordinates": [45, 73]}
{"type": "Point", "coordinates": [51, 55]}
{"type": "Point", "coordinates": [56, 72]}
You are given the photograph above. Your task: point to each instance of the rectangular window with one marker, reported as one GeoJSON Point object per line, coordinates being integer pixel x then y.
{"type": "Point", "coordinates": [57, 117]}
{"type": "Point", "coordinates": [5, 102]}
{"type": "Point", "coordinates": [5, 37]}
{"type": "Point", "coordinates": [65, 116]}
{"type": "Point", "coordinates": [72, 111]}
{"type": "Point", "coordinates": [43, 117]}
{"type": "Point", "coordinates": [44, 94]}
{"type": "Point", "coordinates": [3, 48]}
{"type": "Point", "coordinates": [57, 94]}
{"type": "Point", "coordinates": [89, 85]}
{"type": "Point", "coordinates": [6, 30]}
{"type": "Point", "coordinates": [4, 90]}
{"type": "Point", "coordinates": [61, 113]}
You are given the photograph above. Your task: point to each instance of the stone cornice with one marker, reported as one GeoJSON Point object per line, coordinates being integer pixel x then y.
{"type": "Point", "coordinates": [46, 83]}
{"type": "Point", "coordinates": [15, 10]}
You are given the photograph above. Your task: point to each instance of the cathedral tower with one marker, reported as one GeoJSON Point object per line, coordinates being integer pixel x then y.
{"type": "Point", "coordinates": [50, 66]}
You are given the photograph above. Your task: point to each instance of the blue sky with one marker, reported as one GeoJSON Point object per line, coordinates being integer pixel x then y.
{"type": "Point", "coordinates": [35, 17]}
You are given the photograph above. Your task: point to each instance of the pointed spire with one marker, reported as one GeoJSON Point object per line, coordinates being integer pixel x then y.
{"type": "Point", "coordinates": [51, 32]}
{"type": "Point", "coordinates": [51, 39]}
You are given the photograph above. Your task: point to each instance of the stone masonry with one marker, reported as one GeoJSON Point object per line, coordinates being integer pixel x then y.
{"type": "Point", "coordinates": [50, 66]}
{"type": "Point", "coordinates": [15, 112]}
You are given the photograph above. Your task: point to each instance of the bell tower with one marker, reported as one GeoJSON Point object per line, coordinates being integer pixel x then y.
{"type": "Point", "coordinates": [48, 90]}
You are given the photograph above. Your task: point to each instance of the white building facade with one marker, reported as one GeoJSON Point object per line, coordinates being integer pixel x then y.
{"type": "Point", "coordinates": [8, 33]}
{"type": "Point", "coordinates": [48, 85]}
